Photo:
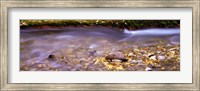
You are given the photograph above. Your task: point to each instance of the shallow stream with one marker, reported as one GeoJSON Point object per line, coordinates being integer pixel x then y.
{"type": "Point", "coordinates": [76, 48]}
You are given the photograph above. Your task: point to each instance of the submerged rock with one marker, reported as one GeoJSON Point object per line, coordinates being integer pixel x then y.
{"type": "Point", "coordinates": [116, 55]}
{"type": "Point", "coordinates": [161, 58]}
{"type": "Point", "coordinates": [91, 51]}
{"type": "Point", "coordinates": [116, 60]}
{"type": "Point", "coordinates": [133, 61]}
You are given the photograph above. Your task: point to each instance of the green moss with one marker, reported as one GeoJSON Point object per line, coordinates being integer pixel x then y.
{"type": "Point", "coordinates": [130, 24]}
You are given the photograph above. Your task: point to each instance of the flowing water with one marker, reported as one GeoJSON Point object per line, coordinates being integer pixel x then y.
{"type": "Point", "coordinates": [75, 48]}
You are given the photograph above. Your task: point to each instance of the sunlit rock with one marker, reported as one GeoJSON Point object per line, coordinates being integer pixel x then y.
{"type": "Point", "coordinates": [130, 54]}
{"type": "Point", "coordinates": [152, 57]}
{"type": "Point", "coordinates": [116, 60]}
{"type": "Point", "coordinates": [148, 69]}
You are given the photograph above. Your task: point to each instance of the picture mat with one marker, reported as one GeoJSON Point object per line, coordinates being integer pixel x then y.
{"type": "Point", "coordinates": [182, 76]}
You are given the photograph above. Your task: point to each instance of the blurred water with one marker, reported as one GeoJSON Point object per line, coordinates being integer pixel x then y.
{"type": "Point", "coordinates": [78, 42]}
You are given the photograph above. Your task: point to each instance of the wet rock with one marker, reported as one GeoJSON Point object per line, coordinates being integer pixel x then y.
{"type": "Point", "coordinates": [152, 57]}
{"type": "Point", "coordinates": [93, 46]}
{"type": "Point", "coordinates": [148, 69]}
{"type": "Point", "coordinates": [91, 51]}
{"type": "Point", "coordinates": [158, 52]}
{"type": "Point", "coordinates": [116, 60]}
{"type": "Point", "coordinates": [161, 58]}
{"type": "Point", "coordinates": [130, 54]}
{"type": "Point", "coordinates": [116, 55]}
{"type": "Point", "coordinates": [133, 61]}
{"type": "Point", "coordinates": [136, 50]}
{"type": "Point", "coordinates": [142, 51]}
{"type": "Point", "coordinates": [139, 61]}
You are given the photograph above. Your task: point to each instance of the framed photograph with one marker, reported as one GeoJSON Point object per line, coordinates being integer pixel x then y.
{"type": "Point", "coordinates": [99, 45]}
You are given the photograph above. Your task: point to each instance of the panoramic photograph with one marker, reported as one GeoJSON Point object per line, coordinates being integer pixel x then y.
{"type": "Point", "coordinates": [99, 45]}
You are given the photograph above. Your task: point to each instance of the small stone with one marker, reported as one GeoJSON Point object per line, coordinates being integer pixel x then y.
{"type": "Point", "coordinates": [143, 51]}
{"type": "Point", "coordinates": [91, 51]}
{"type": "Point", "coordinates": [116, 60]}
{"type": "Point", "coordinates": [136, 50]}
{"type": "Point", "coordinates": [131, 54]}
{"type": "Point", "coordinates": [116, 55]}
{"type": "Point", "coordinates": [163, 68]}
{"type": "Point", "coordinates": [161, 58]}
{"type": "Point", "coordinates": [172, 52]}
{"type": "Point", "coordinates": [133, 62]}
{"type": "Point", "coordinates": [145, 55]}
{"type": "Point", "coordinates": [148, 69]}
{"type": "Point", "coordinates": [152, 57]}
{"type": "Point", "coordinates": [159, 52]}
{"type": "Point", "coordinates": [139, 61]}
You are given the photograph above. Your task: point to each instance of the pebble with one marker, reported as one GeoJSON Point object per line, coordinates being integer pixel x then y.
{"type": "Point", "coordinates": [143, 51]}
{"type": "Point", "coordinates": [153, 57]}
{"type": "Point", "coordinates": [161, 58]}
{"type": "Point", "coordinates": [116, 55]}
{"type": "Point", "coordinates": [133, 62]}
{"type": "Point", "coordinates": [136, 50]}
{"type": "Point", "coordinates": [91, 52]}
{"type": "Point", "coordinates": [93, 46]}
{"type": "Point", "coordinates": [159, 52]}
{"type": "Point", "coordinates": [140, 61]}
{"type": "Point", "coordinates": [116, 60]}
{"type": "Point", "coordinates": [130, 54]}
{"type": "Point", "coordinates": [148, 69]}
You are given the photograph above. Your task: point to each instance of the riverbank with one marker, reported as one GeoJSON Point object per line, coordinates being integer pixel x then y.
{"type": "Point", "coordinates": [120, 24]}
